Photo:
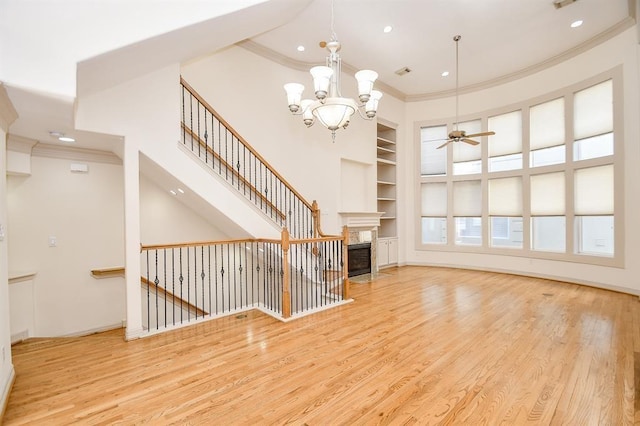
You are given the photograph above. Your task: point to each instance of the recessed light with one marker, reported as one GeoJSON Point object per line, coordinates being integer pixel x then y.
{"type": "Point", "coordinates": [388, 29]}
{"type": "Point", "coordinates": [173, 192]}
{"type": "Point", "coordinates": [576, 24]}
{"type": "Point", "coordinates": [60, 136]}
{"type": "Point", "coordinates": [300, 48]}
{"type": "Point", "coordinates": [180, 190]}
{"type": "Point", "coordinates": [445, 73]}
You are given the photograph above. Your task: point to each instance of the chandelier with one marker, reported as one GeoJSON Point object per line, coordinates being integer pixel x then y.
{"type": "Point", "coordinates": [331, 109]}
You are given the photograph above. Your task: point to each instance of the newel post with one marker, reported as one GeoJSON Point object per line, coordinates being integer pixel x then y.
{"type": "Point", "coordinates": [315, 214]}
{"type": "Point", "coordinates": [286, 283]}
{"type": "Point", "coordinates": [345, 262]}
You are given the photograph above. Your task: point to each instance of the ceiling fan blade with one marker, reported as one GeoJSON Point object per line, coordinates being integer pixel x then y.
{"type": "Point", "coordinates": [445, 144]}
{"type": "Point", "coordinates": [481, 134]}
{"type": "Point", "coordinates": [470, 141]}
{"type": "Point", "coordinates": [436, 140]}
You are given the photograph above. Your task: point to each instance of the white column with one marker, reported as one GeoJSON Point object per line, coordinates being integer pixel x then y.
{"type": "Point", "coordinates": [131, 169]}
{"type": "Point", "coordinates": [7, 116]}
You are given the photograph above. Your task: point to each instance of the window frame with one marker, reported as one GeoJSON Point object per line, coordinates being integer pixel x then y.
{"type": "Point", "coordinates": [569, 167]}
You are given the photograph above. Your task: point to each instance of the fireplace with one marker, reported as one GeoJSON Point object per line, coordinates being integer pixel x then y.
{"type": "Point", "coordinates": [363, 240]}
{"type": "Point", "coordinates": [359, 259]}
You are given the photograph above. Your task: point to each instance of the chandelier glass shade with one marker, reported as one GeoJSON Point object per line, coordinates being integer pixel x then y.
{"type": "Point", "coordinates": [329, 107]}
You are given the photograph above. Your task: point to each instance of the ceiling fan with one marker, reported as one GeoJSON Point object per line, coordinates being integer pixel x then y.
{"type": "Point", "coordinates": [460, 135]}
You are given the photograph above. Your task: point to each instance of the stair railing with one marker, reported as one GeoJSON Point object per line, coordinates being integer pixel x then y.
{"type": "Point", "coordinates": [205, 133]}
{"type": "Point", "coordinates": [192, 281]}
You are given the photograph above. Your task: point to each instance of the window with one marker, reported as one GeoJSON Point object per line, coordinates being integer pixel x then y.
{"type": "Point", "coordinates": [506, 232]}
{"type": "Point", "coordinates": [467, 209]}
{"type": "Point", "coordinates": [548, 232]}
{"type": "Point", "coordinates": [433, 160]}
{"type": "Point", "coordinates": [594, 208]}
{"type": "Point", "coordinates": [469, 230]}
{"type": "Point", "coordinates": [505, 209]}
{"type": "Point", "coordinates": [434, 213]}
{"type": "Point", "coordinates": [505, 147]}
{"type": "Point", "coordinates": [559, 205]}
{"type": "Point", "coordinates": [466, 157]}
{"type": "Point", "coordinates": [547, 133]}
{"type": "Point", "coordinates": [594, 235]}
{"type": "Point", "coordinates": [593, 121]}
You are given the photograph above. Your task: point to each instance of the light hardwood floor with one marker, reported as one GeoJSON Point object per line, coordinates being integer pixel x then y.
{"type": "Point", "coordinates": [418, 346]}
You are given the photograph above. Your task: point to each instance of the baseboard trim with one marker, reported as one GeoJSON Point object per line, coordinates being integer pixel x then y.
{"type": "Point", "coordinates": [94, 330]}
{"type": "Point", "coordinates": [6, 391]}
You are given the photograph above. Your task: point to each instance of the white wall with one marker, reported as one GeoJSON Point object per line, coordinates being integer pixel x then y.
{"type": "Point", "coordinates": [77, 30]}
{"type": "Point", "coordinates": [84, 212]}
{"type": "Point", "coordinates": [146, 111]}
{"type": "Point", "coordinates": [247, 90]}
{"type": "Point", "coordinates": [621, 50]}
{"type": "Point", "coordinates": [165, 219]}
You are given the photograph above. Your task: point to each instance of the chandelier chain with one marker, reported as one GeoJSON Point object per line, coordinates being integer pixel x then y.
{"type": "Point", "coordinates": [334, 37]}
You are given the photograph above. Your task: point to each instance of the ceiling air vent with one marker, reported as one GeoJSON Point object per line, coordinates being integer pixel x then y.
{"type": "Point", "coordinates": [403, 71]}
{"type": "Point", "coordinates": [562, 3]}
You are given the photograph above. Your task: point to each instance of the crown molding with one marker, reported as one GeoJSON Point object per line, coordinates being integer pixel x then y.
{"type": "Point", "coordinates": [281, 59]}
{"type": "Point", "coordinates": [611, 32]}
{"type": "Point", "coordinates": [8, 113]}
{"type": "Point", "coordinates": [76, 154]}
{"type": "Point", "coordinates": [20, 144]}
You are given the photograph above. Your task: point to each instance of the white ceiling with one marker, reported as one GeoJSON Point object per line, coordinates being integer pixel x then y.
{"type": "Point", "coordinates": [499, 37]}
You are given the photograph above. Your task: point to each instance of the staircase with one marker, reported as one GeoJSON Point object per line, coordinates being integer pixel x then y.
{"type": "Point", "coordinates": [302, 272]}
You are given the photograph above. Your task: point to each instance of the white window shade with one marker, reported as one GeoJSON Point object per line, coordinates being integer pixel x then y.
{"type": "Point", "coordinates": [546, 124]}
{"type": "Point", "coordinates": [593, 111]}
{"type": "Point", "coordinates": [594, 191]}
{"type": "Point", "coordinates": [464, 151]}
{"type": "Point", "coordinates": [505, 196]}
{"type": "Point", "coordinates": [467, 198]}
{"type": "Point", "coordinates": [508, 137]}
{"type": "Point", "coordinates": [433, 160]}
{"type": "Point", "coordinates": [434, 199]}
{"type": "Point", "coordinates": [548, 194]}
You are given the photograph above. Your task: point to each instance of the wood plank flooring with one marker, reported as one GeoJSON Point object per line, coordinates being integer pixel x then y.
{"type": "Point", "coordinates": [419, 345]}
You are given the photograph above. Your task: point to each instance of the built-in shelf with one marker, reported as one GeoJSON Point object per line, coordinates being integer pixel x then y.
{"type": "Point", "coordinates": [382, 141]}
{"type": "Point", "coordinates": [384, 161]}
{"type": "Point", "coordinates": [386, 150]}
{"type": "Point", "coordinates": [386, 180]}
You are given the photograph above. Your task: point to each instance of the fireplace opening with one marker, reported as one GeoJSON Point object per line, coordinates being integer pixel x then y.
{"type": "Point", "coordinates": [359, 259]}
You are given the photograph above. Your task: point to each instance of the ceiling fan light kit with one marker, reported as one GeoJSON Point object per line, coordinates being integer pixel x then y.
{"type": "Point", "coordinates": [329, 107]}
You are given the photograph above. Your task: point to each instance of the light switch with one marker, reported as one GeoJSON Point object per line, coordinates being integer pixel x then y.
{"type": "Point", "coordinates": [53, 241]}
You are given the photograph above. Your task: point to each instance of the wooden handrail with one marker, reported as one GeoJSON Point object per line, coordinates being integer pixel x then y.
{"type": "Point", "coordinates": [119, 271]}
{"type": "Point", "coordinates": [241, 139]}
{"type": "Point", "coordinates": [233, 171]}
{"type": "Point", "coordinates": [167, 294]}
{"type": "Point", "coordinates": [239, 241]}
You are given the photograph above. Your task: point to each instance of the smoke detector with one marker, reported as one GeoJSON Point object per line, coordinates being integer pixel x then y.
{"type": "Point", "coordinates": [562, 3]}
{"type": "Point", "coordinates": [403, 71]}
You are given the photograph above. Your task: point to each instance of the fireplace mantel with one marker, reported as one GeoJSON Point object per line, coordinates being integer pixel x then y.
{"type": "Point", "coordinates": [361, 219]}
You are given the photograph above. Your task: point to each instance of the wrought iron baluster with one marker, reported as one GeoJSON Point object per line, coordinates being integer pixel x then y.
{"type": "Point", "coordinates": [164, 267]}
